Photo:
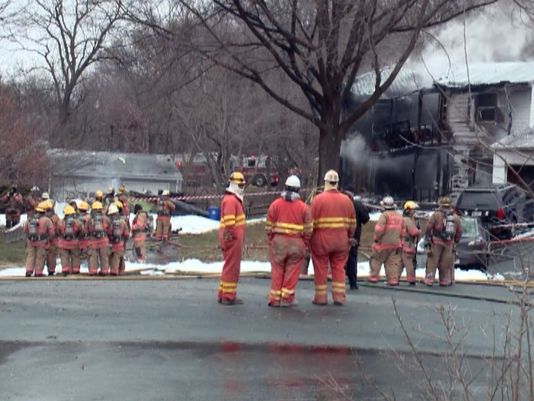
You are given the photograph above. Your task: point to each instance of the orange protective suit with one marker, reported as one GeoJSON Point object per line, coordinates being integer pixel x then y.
{"type": "Point", "coordinates": [387, 247]}
{"type": "Point", "coordinates": [68, 243]}
{"type": "Point", "coordinates": [139, 230]}
{"type": "Point", "coordinates": [231, 238]}
{"type": "Point", "coordinates": [99, 227]}
{"type": "Point", "coordinates": [39, 231]}
{"type": "Point", "coordinates": [334, 222]}
{"type": "Point", "coordinates": [163, 221]}
{"type": "Point", "coordinates": [288, 229]}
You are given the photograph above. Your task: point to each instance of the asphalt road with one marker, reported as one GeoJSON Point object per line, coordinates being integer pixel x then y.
{"type": "Point", "coordinates": [169, 340]}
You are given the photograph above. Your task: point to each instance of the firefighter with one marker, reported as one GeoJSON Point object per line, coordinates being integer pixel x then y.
{"type": "Point", "coordinates": [39, 230]}
{"type": "Point", "coordinates": [14, 206]}
{"type": "Point", "coordinates": [84, 237]}
{"type": "Point", "coordinates": [289, 229]}
{"type": "Point", "coordinates": [99, 229]}
{"type": "Point", "coordinates": [409, 241]}
{"type": "Point", "coordinates": [163, 221]}
{"type": "Point", "coordinates": [334, 221]}
{"type": "Point", "coordinates": [139, 230]}
{"type": "Point", "coordinates": [32, 200]}
{"type": "Point", "coordinates": [126, 219]}
{"type": "Point", "coordinates": [109, 198]}
{"type": "Point", "coordinates": [68, 231]}
{"type": "Point", "coordinates": [117, 235]}
{"type": "Point", "coordinates": [52, 252]}
{"type": "Point", "coordinates": [231, 238]}
{"type": "Point", "coordinates": [443, 231]}
{"type": "Point", "coordinates": [99, 196]}
{"type": "Point", "coordinates": [387, 244]}
{"type": "Point", "coordinates": [362, 217]}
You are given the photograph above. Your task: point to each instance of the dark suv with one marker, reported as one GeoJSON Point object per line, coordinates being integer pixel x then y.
{"type": "Point", "coordinates": [498, 206]}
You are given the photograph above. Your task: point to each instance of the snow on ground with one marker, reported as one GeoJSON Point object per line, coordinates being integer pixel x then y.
{"type": "Point", "coordinates": [195, 225]}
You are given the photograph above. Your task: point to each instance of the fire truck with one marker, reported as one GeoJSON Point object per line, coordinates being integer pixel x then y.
{"type": "Point", "coordinates": [258, 170]}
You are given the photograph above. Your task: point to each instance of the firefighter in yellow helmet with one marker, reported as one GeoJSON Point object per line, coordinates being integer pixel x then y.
{"type": "Point", "coordinates": [99, 228]}
{"type": "Point", "coordinates": [231, 238]}
{"type": "Point", "coordinates": [84, 237]}
{"type": "Point", "coordinates": [443, 231]}
{"type": "Point", "coordinates": [409, 241]}
{"type": "Point", "coordinates": [68, 241]}
{"type": "Point", "coordinates": [163, 221]}
{"type": "Point", "coordinates": [38, 229]}
{"type": "Point", "coordinates": [52, 252]}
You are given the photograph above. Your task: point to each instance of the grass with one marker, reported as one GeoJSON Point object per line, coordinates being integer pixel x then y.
{"type": "Point", "coordinates": [13, 253]}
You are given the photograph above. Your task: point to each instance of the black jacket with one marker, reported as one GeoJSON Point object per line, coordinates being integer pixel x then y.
{"type": "Point", "coordinates": [362, 217]}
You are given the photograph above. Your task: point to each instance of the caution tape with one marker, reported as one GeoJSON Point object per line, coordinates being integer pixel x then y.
{"type": "Point", "coordinates": [197, 197]}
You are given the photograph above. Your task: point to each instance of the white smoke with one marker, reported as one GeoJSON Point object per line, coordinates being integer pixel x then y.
{"type": "Point", "coordinates": [354, 149]}
{"type": "Point", "coordinates": [498, 33]}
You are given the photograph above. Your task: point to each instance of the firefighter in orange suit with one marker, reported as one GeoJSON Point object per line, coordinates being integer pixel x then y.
{"type": "Point", "coordinates": [409, 241]}
{"type": "Point", "coordinates": [334, 222]}
{"type": "Point", "coordinates": [139, 230]}
{"type": "Point", "coordinates": [99, 229]}
{"type": "Point", "coordinates": [443, 231]}
{"type": "Point", "coordinates": [39, 230]}
{"type": "Point", "coordinates": [84, 238]}
{"type": "Point", "coordinates": [68, 230]}
{"type": "Point", "coordinates": [123, 198]}
{"type": "Point", "coordinates": [231, 238]}
{"type": "Point", "coordinates": [163, 221]}
{"type": "Point", "coordinates": [387, 244]}
{"type": "Point", "coordinates": [289, 229]}
{"type": "Point", "coordinates": [52, 252]}
{"type": "Point", "coordinates": [118, 234]}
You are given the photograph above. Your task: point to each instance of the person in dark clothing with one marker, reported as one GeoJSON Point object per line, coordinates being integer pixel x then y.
{"type": "Point", "coordinates": [362, 217]}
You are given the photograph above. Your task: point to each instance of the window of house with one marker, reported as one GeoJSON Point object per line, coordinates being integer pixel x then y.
{"type": "Point", "coordinates": [486, 108]}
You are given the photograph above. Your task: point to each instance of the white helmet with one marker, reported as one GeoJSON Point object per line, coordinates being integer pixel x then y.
{"type": "Point", "coordinates": [331, 176]}
{"type": "Point", "coordinates": [388, 203]}
{"type": "Point", "coordinates": [293, 181]}
{"type": "Point", "coordinates": [45, 195]}
{"type": "Point", "coordinates": [165, 192]}
{"type": "Point", "coordinates": [112, 209]}
{"type": "Point", "coordinates": [35, 188]}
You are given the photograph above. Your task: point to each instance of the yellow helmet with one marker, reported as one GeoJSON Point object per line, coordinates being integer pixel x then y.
{"type": "Point", "coordinates": [122, 189]}
{"type": "Point", "coordinates": [97, 206]}
{"type": "Point", "coordinates": [99, 194]}
{"type": "Point", "coordinates": [445, 201]}
{"type": "Point", "coordinates": [118, 203]}
{"type": "Point", "coordinates": [411, 205]}
{"type": "Point", "coordinates": [68, 209]}
{"type": "Point", "coordinates": [48, 204]}
{"type": "Point", "coordinates": [237, 177]}
{"type": "Point", "coordinates": [41, 207]}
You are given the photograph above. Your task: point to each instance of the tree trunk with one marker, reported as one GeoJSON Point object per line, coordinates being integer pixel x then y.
{"type": "Point", "coordinates": [329, 148]}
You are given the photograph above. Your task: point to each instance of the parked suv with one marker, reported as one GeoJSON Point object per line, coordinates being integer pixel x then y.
{"type": "Point", "coordinates": [498, 206]}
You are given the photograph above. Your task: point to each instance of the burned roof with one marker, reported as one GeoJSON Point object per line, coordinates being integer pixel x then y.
{"type": "Point", "coordinates": [113, 165]}
{"type": "Point", "coordinates": [520, 140]}
{"type": "Point", "coordinates": [488, 74]}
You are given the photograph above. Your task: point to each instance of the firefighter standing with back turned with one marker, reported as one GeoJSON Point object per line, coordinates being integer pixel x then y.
{"type": "Point", "coordinates": [118, 233]}
{"type": "Point", "coordinates": [39, 230]}
{"type": "Point", "coordinates": [288, 229]}
{"type": "Point", "coordinates": [409, 241]}
{"type": "Point", "coordinates": [443, 231]}
{"type": "Point", "coordinates": [163, 221]}
{"type": "Point", "coordinates": [68, 241]}
{"type": "Point", "coordinates": [387, 244]}
{"type": "Point", "coordinates": [334, 221]}
{"type": "Point", "coordinates": [231, 238]}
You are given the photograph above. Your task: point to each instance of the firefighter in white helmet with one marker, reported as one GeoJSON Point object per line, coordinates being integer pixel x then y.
{"type": "Point", "coordinates": [118, 234]}
{"type": "Point", "coordinates": [387, 244]}
{"type": "Point", "coordinates": [288, 229]}
{"type": "Point", "coordinates": [409, 240]}
{"type": "Point", "coordinates": [334, 222]}
{"type": "Point", "coordinates": [163, 221]}
{"type": "Point", "coordinates": [231, 238]}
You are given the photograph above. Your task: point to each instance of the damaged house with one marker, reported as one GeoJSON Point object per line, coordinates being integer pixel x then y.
{"type": "Point", "coordinates": [426, 138]}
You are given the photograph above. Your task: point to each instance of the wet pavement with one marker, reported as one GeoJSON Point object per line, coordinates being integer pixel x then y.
{"type": "Point", "coordinates": [169, 340]}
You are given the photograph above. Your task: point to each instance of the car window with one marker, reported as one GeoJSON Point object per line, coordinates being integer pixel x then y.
{"type": "Point", "coordinates": [478, 200]}
{"type": "Point", "coordinates": [511, 196]}
{"type": "Point", "coordinates": [469, 227]}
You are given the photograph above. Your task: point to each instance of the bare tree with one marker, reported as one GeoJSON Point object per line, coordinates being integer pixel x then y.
{"type": "Point", "coordinates": [70, 37]}
{"type": "Point", "coordinates": [322, 46]}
